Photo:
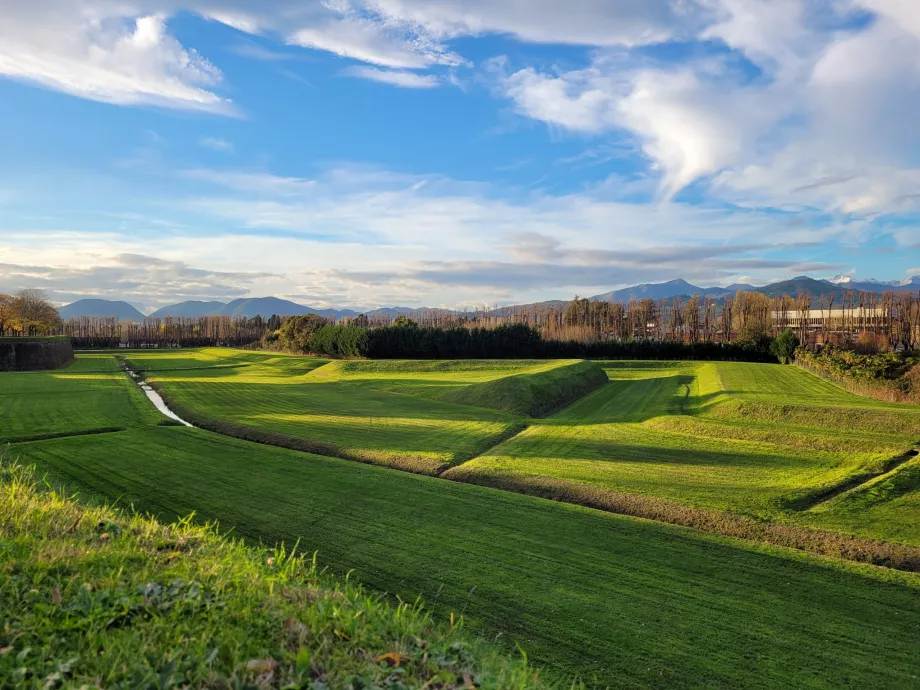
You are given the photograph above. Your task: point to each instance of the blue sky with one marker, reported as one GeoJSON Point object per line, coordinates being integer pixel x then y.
{"type": "Point", "coordinates": [453, 152]}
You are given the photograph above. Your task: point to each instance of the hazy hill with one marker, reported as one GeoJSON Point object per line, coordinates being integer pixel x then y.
{"type": "Point", "coordinates": [100, 308]}
{"type": "Point", "coordinates": [267, 306]}
{"type": "Point", "coordinates": [247, 307]}
{"type": "Point", "coordinates": [656, 291]}
{"type": "Point", "coordinates": [720, 292]}
{"type": "Point", "coordinates": [816, 288]}
{"type": "Point", "coordinates": [190, 308]}
{"type": "Point", "coordinates": [262, 306]}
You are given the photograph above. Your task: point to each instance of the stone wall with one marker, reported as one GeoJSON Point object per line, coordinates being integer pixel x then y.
{"type": "Point", "coordinates": [25, 354]}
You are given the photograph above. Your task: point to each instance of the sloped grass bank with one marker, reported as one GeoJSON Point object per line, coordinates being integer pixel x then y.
{"type": "Point", "coordinates": [812, 540]}
{"type": "Point", "coordinates": [618, 601]}
{"type": "Point", "coordinates": [320, 410]}
{"type": "Point", "coordinates": [95, 597]}
{"type": "Point", "coordinates": [720, 446]}
{"type": "Point", "coordinates": [537, 394]}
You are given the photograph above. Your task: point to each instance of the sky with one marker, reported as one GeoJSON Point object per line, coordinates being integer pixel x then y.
{"type": "Point", "coordinates": [453, 153]}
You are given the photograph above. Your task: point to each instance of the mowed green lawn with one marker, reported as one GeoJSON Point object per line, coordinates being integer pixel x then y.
{"type": "Point", "coordinates": [90, 394]}
{"type": "Point", "coordinates": [381, 412]}
{"type": "Point", "coordinates": [760, 440]}
{"type": "Point", "coordinates": [620, 601]}
{"type": "Point", "coordinates": [756, 439]}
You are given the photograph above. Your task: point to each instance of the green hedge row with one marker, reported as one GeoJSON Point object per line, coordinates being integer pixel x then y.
{"type": "Point", "coordinates": [516, 341]}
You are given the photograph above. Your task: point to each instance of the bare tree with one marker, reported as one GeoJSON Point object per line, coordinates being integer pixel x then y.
{"type": "Point", "coordinates": [32, 313]}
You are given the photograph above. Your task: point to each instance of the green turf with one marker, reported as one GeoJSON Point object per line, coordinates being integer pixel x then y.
{"type": "Point", "coordinates": [533, 394]}
{"type": "Point", "coordinates": [889, 505]}
{"type": "Point", "coordinates": [626, 602]}
{"type": "Point", "coordinates": [92, 393]}
{"type": "Point", "coordinates": [761, 440]}
{"type": "Point", "coordinates": [367, 411]}
{"type": "Point", "coordinates": [91, 597]}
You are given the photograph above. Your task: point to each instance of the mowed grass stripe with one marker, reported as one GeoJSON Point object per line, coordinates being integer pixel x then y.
{"type": "Point", "coordinates": [90, 394]}
{"type": "Point", "coordinates": [626, 602]}
{"type": "Point", "coordinates": [760, 441]}
{"type": "Point", "coordinates": [378, 426]}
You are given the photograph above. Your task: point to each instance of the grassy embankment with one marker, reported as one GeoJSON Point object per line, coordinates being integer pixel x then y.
{"type": "Point", "coordinates": [760, 441]}
{"type": "Point", "coordinates": [682, 442]}
{"type": "Point", "coordinates": [618, 600]}
{"type": "Point", "coordinates": [94, 597]}
{"type": "Point", "coordinates": [399, 414]}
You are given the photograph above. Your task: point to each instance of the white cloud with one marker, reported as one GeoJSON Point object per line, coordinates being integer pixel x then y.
{"type": "Point", "coordinates": [440, 215]}
{"type": "Point", "coordinates": [114, 56]}
{"type": "Point", "coordinates": [216, 144]}
{"type": "Point", "coordinates": [830, 99]}
{"type": "Point", "coordinates": [582, 101]}
{"type": "Point", "coordinates": [370, 40]}
{"type": "Point", "coordinates": [685, 123]}
{"type": "Point", "coordinates": [402, 78]}
{"type": "Point", "coordinates": [576, 22]}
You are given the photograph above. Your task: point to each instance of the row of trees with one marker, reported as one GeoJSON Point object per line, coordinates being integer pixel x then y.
{"type": "Point", "coordinates": [27, 313]}
{"type": "Point", "coordinates": [405, 339]}
{"type": "Point", "coordinates": [870, 320]}
{"type": "Point", "coordinates": [204, 331]}
{"type": "Point", "coordinates": [894, 318]}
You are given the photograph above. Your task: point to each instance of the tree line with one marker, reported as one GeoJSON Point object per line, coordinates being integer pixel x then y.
{"type": "Point", "coordinates": [888, 320]}
{"type": "Point", "coordinates": [169, 332]}
{"type": "Point", "coordinates": [406, 339]}
{"type": "Point", "coordinates": [868, 322]}
{"type": "Point", "coordinates": [27, 313]}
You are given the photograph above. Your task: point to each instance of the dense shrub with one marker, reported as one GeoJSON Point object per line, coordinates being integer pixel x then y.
{"type": "Point", "coordinates": [784, 345]}
{"type": "Point", "coordinates": [871, 343]}
{"type": "Point", "coordinates": [738, 351]}
{"type": "Point", "coordinates": [296, 332]}
{"type": "Point", "coordinates": [886, 376]}
{"type": "Point", "coordinates": [516, 341]}
{"type": "Point", "coordinates": [339, 341]}
{"type": "Point", "coordinates": [407, 340]}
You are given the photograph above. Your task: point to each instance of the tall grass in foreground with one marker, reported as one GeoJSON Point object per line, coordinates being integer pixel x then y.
{"type": "Point", "coordinates": [91, 596]}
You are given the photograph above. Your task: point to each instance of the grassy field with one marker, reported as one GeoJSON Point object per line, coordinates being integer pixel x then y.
{"type": "Point", "coordinates": [92, 597]}
{"type": "Point", "coordinates": [762, 441]}
{"type": "Point", "coordinates": [91, 394]}
{"type": "Point", "coordinates": [619, 600]}
{"type": "Point", "coordinates": [757, 440]}
{"type": "Point", "coordinates": [387, 413]}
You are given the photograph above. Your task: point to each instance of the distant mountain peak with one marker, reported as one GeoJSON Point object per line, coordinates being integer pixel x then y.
{"type": "Point", "coordinates": [841, 278]}
{"type": "Point", "coordinates": [101, 308]}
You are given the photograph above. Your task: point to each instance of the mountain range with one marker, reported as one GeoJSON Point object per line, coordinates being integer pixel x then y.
{"type": "Point", "coordinates": [266, 306]}
{"type": "Point", "coordinates": [101, 308]}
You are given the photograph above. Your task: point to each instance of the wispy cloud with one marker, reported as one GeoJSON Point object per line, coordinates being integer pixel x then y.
{"type": "Point", "coordinates": [401, 78]}
{"type": "Point", "coordinates": [249, 49]}
{"type": "Point", "coordinates": [127, 60]}
{"type": "Point", "coordinates": [216, 144]}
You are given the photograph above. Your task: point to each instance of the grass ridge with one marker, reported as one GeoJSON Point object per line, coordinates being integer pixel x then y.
{"type": "Point", "coordinates": [407, 463]}
{"type": "Point", "coordinates": [533, 394]}
{"type": "Point", "coordinates": [63, 434]}
{"type": "Point", "coordinates": [94, 596]}
{"type": "Point", "coordinates": [725, 523]}
{"type": "Point", "coordinates": [852, 483]}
